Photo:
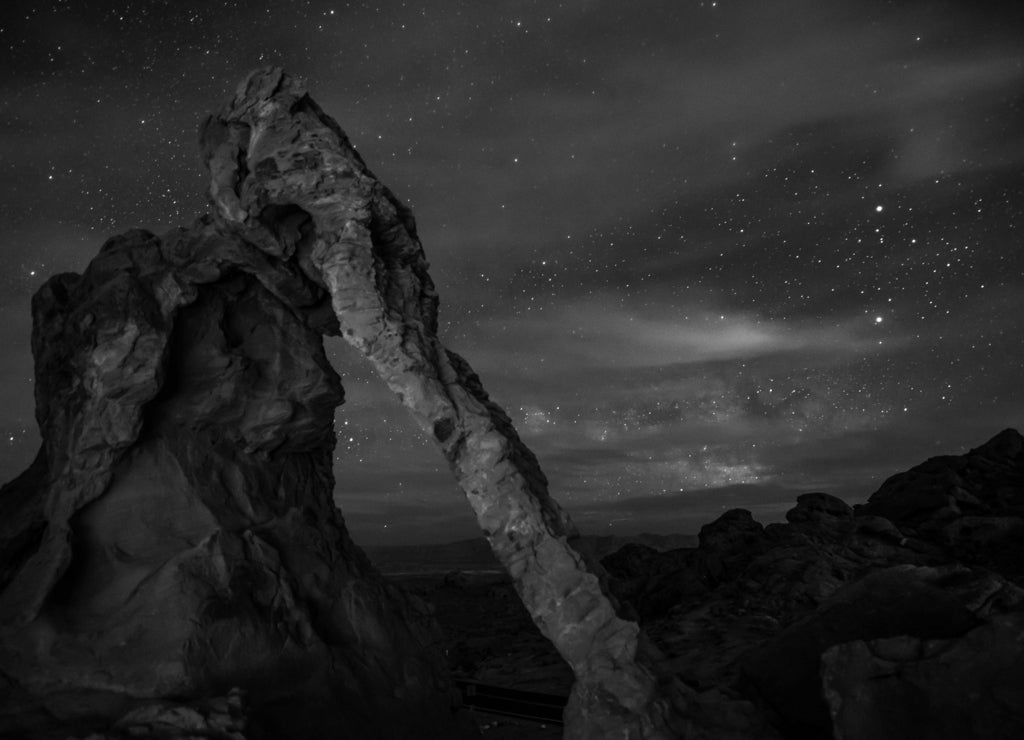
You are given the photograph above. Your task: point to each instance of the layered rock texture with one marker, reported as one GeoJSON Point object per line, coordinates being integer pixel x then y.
{"type": "Point", "coordinates": [899, 618]}
{"type": "Point", "coordinates": [176, 535]}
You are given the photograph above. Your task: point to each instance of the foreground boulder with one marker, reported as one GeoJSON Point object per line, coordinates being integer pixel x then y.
{"type": "Point", "coordinates": [915, 605]}
{"type": "Point", "coordinates": [906, 686]}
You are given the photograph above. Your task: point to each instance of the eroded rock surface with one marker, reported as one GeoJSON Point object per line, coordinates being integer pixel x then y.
{"type": "Point", "coordinates": [177, 536]}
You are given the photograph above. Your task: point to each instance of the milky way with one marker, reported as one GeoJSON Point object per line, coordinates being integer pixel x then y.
{"type": "Point", "coordinates": [706, 254]}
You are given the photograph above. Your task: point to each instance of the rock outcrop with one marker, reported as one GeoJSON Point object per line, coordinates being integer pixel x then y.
{"type": "Point", "coordinates": [272, 151]}
{"type": "Point", "coordinates": [176, 536]}
{"type": "Point", "coordinates": [971, 507]}
{"type": "Point", "coordinates": [919, 590]}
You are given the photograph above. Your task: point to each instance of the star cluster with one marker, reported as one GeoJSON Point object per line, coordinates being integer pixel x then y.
{"type": "Point", "coordinates": [710, 254]}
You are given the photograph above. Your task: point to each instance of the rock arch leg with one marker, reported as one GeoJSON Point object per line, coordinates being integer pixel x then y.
{"type": "Point", "coordinates": [272, 147]}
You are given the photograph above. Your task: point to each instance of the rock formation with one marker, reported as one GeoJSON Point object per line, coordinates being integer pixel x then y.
{"type": "Point", "coordinates": [273, 151]}
{"type": "Point", "coordinates": [845, 622]}
{"type": "Point", "coordinates": [176, 535]}
{"type": "Point", "coordinates": [172, 563]}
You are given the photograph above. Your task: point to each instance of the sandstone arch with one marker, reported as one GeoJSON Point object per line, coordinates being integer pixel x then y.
{"type": "Point", "coordinates": [185, 374]}
{"type": "Point", "coordinates": [272, 147]}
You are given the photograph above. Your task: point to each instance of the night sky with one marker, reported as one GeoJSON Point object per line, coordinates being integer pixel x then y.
{"type": "Point", "coordinates": [706, 254]}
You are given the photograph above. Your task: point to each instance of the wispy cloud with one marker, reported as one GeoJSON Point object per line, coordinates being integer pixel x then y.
{"type": "Point", "coordinates": [608, 335]}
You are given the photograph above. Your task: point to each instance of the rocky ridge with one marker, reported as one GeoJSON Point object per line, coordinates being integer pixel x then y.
{"type": "Point", "coordinates": [900, 617]}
